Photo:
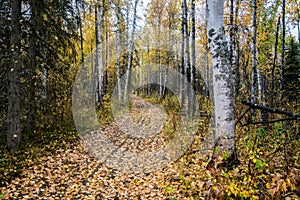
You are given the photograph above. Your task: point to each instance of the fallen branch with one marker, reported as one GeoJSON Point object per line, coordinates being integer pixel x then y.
{"type": "Point", "coordinates": [242, 116]}
{"type": "Point", "coordinates": [291, 115]}
{"type": "Point", "coordinates": [272, 110]}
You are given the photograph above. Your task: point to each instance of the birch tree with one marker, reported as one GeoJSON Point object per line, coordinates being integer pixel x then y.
{"type": "Point", "coordinates": [118, 46]}
{"type": "Point", "coordinates": [254, 67]}
{"type": "Point", "coordinates": [193, 45]}
{"type": "Point", "coordinates": [148, 69]}
{"type": "Point", "coordinates": [158, 49]}
{"type": "Point", "coordinates": [298, 24]}
{"type": "Point", "coordinates": [99, 47]}
{"type": "Point", "coordinates": [107, 40]}
{"type": "Point", "coordinates": [223, 83]}
{"type": "Point", "coordinates": [170, 44]}
{"type": "Point", "coordinates": [131, 48]}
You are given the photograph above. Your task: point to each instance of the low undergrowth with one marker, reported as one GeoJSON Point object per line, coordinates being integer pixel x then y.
{"type": "Point", "coordinates": [269, 164]}
{"type": "Point", "coordinates": [269, 168]}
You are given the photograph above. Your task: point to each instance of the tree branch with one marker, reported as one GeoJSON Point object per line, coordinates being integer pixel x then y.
{"type": "Point", "coordinates": [293, 116]}
{"type": "Point", "coordinates": [242, 116]}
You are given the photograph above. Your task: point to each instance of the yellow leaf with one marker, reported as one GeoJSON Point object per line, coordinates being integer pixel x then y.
{"type": "Point", "coordinates": [283, 186]}
{"type": "Point", "coordinates": [244, 194]}
{"type": "Point", "coordinates": [254, 197]}
{"type": "Point", "coordinates": [288, 181]}
{"type": "Point", "coordinates": [232, 189]}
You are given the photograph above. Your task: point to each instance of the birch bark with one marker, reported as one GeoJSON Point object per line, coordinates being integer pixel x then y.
{"type": "Point", "coordinates": [223, 81]}
{"type": "Point", "coordinates": [118, 49]}
{"type": "Point", "coordinates": [254, 68]}
{"type": "Point", "coordinates": [131, 48]}
{"type": "Point", "coordinates": [99, 48]}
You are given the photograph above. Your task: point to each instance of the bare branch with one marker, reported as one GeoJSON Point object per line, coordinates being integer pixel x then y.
{"type": "Point", "coordinates": [272, 110]}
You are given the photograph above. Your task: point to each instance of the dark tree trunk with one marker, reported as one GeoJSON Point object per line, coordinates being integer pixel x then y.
{"type": "Point", "coordinates": [80, 33]}
{"type": "Point", "coordinates": [14, 108]}
{"type": "Point", "coordinates": [130, 51]}
{"type": "Point", "coordinates": [81, 40]}
{"type": "Point", "coordinates": [183, 21]}
{"type": "Point", "coordinates": [187, 56]}
{"type": "Point", "coordinates": [231, 35]}
{"type": "Point", "coordinates": [282, 49]}
{"type": "Point", "coordinates": [32, 67]}
{"type": "Point", "coordinates": [274, 64]}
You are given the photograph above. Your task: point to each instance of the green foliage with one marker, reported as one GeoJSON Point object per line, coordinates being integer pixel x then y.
{"type": "Point", "coordinates": [261, 172]}
{"type": "Point", "coordinates": [169, 189]}
{"type": "Point", "coordinates": [292, 72]}
{"type": "Point", "coordinates": [47, 72]}
{"type": "Point", "coordinates": [225, 155]}
{"type": "Point", "coordinates": [261, 132]}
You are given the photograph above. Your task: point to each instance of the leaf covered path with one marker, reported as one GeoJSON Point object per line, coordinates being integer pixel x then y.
{"type": "Point", "coordinates": [66, 170]}
{"type": "Point", "coordinates": [71, 173]}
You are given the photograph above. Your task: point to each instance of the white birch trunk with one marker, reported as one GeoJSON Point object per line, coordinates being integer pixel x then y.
{"type": "Point", "coordinates": [223, 83]}
{"type": "Point", "coordinates": [193, 55]}
{"type": "Point", "coordinates": [260, 85]}
{"type": "Point", "coordinates": [148, 70]}
{"type": "Point", "coordinates": [298, 23]}
{"type": "Point", "coordinates": [254, 68]}
{"type": "Point", "coordinates": [99, 49]}
{"type": "Point", "coordinates": [118, 46]}
{"type": "Point", "coordinates": [169, 45]}
{"type": "Point", "coordinates": [159, 63]}
{"type": "Point", "coordinates": [130, 53]}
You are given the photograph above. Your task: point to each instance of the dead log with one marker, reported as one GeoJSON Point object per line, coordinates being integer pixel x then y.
{"type": "Point", "coordinates": [290, 115]}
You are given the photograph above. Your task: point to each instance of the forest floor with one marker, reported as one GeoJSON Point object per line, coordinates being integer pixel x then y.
{"type": "Point", "coordinates": [64, 169]}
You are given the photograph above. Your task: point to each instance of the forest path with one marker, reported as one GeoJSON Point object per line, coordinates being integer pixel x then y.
{"type": "Point", "coordinates": [73, 173]}
{"type": "Point", "coordinates": [133, 140]}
